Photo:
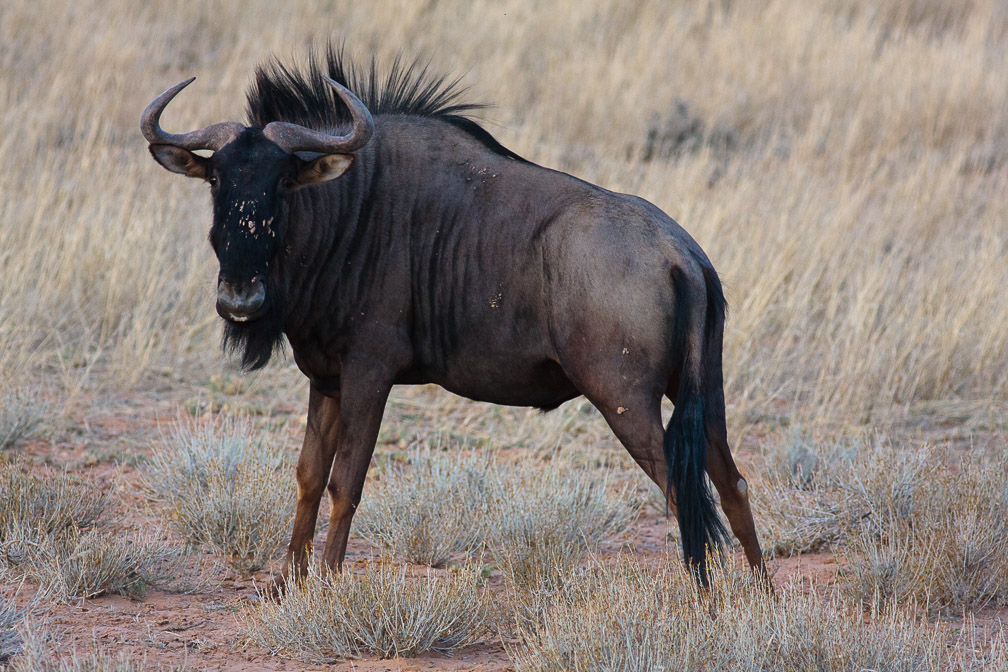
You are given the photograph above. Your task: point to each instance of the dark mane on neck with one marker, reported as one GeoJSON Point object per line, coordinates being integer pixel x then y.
{"type": "Point", "coordinates": [285, 92]}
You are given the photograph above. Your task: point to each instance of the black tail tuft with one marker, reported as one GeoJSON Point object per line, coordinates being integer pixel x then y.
{"type": "Point", "coordinates": [686, 455]}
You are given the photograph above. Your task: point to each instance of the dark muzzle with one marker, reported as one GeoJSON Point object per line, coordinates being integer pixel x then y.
{"type": "Point", "coordinates": [240, 301]}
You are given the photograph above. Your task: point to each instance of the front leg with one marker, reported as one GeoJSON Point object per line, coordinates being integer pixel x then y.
{"type": "Point", "coordinates": [364, 390]}
{"type": "Point", "coordinates": [313, 467]}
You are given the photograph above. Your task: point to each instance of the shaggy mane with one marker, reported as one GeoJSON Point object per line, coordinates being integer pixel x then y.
{"type": "Point", "coordinates": [285, 92]}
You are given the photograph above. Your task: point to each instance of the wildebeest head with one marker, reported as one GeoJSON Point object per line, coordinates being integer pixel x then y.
{"type": "Point", "coordinates": [252, 173]}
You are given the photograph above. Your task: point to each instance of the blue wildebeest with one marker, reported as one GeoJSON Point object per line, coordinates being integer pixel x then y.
{"type": "Point", "coordinates": [393, 241]}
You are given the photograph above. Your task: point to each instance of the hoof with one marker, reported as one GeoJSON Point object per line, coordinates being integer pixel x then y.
{"type": "Point", "coordinates": [275, 589]}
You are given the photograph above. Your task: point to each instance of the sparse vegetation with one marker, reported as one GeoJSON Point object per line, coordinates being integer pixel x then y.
{"type": "Point", "coordinates": [380, 609]}
{"type": "Point", "coordinates": [226, 488]}
{"type": "Point", "coordinates": [946, 547]}
{"type": "Point", "coordinates": [528, 515]}
{"type": "Point", "coordinates": [630, 617]}
{"type": "Point", "coordinates": [53, 532]}
{"type": "Point", "coordinates": [913, 525]}
{"type": "Point", "coordinates": [430, 512]}
{"type": "Point", "coordinates": [21, 414]}
{"type": "Point", "coordinates": [49, 504]}
{"type": "Point", "coordinates": [544, 517]}
{"type": "Point", "coordinates": [75, 563]}
{"type": "Point", "coordinates": [10, 639]}
{"type": "Point", "coordinates": [42, 654]}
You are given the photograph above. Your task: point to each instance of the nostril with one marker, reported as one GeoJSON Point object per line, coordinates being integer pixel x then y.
{"type": "Point", "coordinates": [241, 298]}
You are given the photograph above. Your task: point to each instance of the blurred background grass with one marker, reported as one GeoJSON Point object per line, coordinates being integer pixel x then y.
{"type": "Point", "coordinates": [844, 165]}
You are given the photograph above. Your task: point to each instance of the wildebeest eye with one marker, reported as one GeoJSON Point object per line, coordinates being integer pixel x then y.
{"type": "Point", "coordinates": [287, 183]}
{"type": "Point", "coordinates": [212, 179]}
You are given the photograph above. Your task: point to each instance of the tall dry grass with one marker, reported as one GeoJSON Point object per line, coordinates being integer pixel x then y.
{"type": "Point", "coordinates": [857, 214]}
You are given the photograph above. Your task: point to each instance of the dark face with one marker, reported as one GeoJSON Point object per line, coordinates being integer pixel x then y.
{"type": "Point", "coordinates": [251, 181]}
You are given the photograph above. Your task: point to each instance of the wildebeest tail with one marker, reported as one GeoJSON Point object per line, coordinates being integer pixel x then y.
{"type": "Point", "coordinates": [686, 435]}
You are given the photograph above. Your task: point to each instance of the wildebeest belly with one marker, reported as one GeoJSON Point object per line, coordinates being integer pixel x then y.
{"type": "Point", "coordinates": [511, 382]}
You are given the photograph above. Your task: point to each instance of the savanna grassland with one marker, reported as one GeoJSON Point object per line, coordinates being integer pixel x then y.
{"type": "Point", "coordinates": [844, 164]}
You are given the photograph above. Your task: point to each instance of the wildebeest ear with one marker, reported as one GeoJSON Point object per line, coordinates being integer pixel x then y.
{"type": "Point", "coordinates": [180, 160]}
{"type": "Point", "coordinates": [325, 168]}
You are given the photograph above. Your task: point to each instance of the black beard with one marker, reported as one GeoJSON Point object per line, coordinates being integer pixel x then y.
{"type": "Point", "coordinates": [257, 340]}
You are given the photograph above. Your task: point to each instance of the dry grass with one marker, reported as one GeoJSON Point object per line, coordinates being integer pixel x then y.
{"type": "Point", "coordinates": [545, 516]}
{"type": "Point", "coordinates": [49, 503]}
{"type": "Point", "coordinates": [856, 218]}
{"type": "Point", "coordinates": [227, 489]}
{"type": "Point", "coordinates": [53, 532]}
{"type": "Point", "coordinates": [432, 511]}
{"type": "Point", "coordinates": [844, 163]}
{"type": "Point", "coordinates": [379, 610]}
{"type": "Point", "coordinates": [914, 525]}
{"type": "Point", "coordinates": [78, 564]}
{"type": "Point", "coordinates": [21, 414]}
{"type": "Point", "coordinates": [529, 515]}
{"type": "Point", "coordinates": [945, 547]}
{"type": "Point", "coordinates": [10, 640]}
{"type": "Point", "coordinates": [41, 653]}
{"type": "Point", "coordinates": [810, 497]}
{"type": "Point", "coordinates": [628, 617]}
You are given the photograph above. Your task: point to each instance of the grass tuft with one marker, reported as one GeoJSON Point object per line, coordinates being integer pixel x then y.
{"type": "Point", "coordinates": [77, 564]}
{"type": "Point", "coordinates": [10, 640]}
{"type": "Point", "coordinates": [21, 414]}
{"type": "Point", "coordinates": [379, 610]}
{"type": "Point", "coordinates": [545, 516]}
{"type": "Point", "coordinates": [944, 546]}
{"type": "Point", "coordinates": [42, 654]}
{"type": "Point", "coordinates": [51, 503]}
{"type": "Point", "coordinates": [432, 510]}
{"type": "Point", "coordinates": [536, 519]}
{"type": "Point", "coordinates": [913, 526]}
{"type": "Point", "coordinates": [630, 617]}
{"type": "Point", "coordinates": [52, 533]}
{"type": "Point", "coordinates": [225, 489]}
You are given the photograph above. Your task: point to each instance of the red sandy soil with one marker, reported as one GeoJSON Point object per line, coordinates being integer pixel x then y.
{"type": "Point", "coordinates": [204, 631]}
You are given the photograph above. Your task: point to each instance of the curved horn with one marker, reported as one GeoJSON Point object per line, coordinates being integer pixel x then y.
{"type": "Point", "coordinates": [212, 137]}
{"type": "Point", "coordinates": [296, 138]}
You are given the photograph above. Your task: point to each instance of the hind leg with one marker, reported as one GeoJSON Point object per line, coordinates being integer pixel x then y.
{"type": "Point", "coordinates": [731, 487]}
{"type": "Point", "coordinates": [635, 419]}
{"type": "Point", "coordinates": [734, 493]}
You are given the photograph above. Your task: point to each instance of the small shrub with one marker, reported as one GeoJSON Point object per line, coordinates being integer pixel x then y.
{"type": "Point", "coordinates": [381, 611]}
{"type": "Point", "coordinates": [10, 639]}
{"type": "Point", "coordinates": [628, 617]}
{"type": "Point", "coordinates": [226, 491]}
{"type": "Point", "coordinates": [536, 519]}
{"type": "Point", "coordinates": [430, 512]}
{"type": "Point", "coordinates": [944, 547]}
{"type": "Point", "coordinates": [74, 564]}
{"type": "Point", "coordinates": [51, 503]}
{"type": "Point", "coordinates": [544, 517]}
{"type": "Point", "coordinates": [21, 413]}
